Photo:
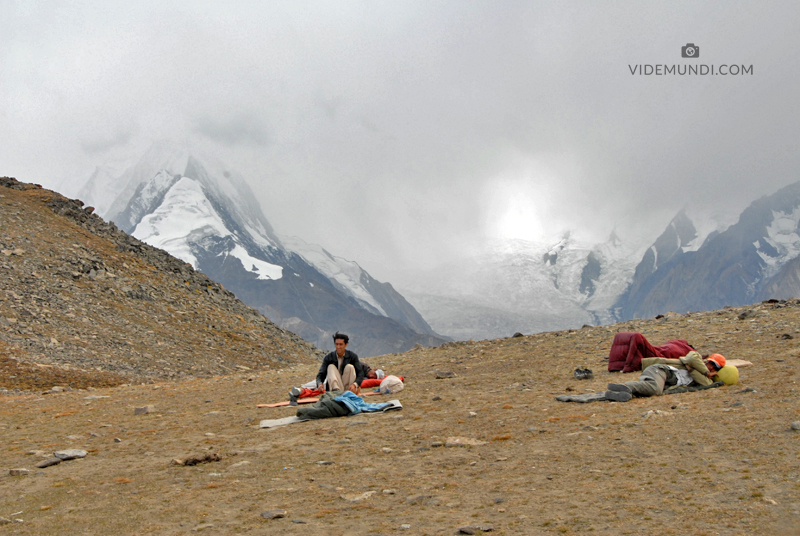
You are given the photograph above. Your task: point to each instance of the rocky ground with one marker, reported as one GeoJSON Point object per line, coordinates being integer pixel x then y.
{"type": "Point", "coordinates": [95, 306]}
{"type": "Point", "coordinates": [722, 461]}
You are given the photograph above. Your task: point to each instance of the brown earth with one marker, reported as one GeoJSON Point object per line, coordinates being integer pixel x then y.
{"type": "Point", "coordinates": [96, 306]}
{"type": "Point", "coordinates": [722, 461]}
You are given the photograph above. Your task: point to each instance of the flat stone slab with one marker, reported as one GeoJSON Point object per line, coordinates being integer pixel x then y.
{"type": "Point", "coordinates": [463, 442]}
{"type": "Point", "coordinates": [19, 472]}
{"type": "Point", "coordinates": [272, 423]}
{"type": "Point", "coordinates": [47, 463]}
{"type": "Point", "coordinates": [274, 514]}
{"type": "Point", "coordinates": [358, 497]}
{"type": "Point", "coordinates": [475, 529]}
{"type": "Point", "coordinates": [70, 454]}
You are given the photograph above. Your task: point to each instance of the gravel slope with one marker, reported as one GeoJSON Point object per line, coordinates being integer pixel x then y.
{"type": "Point", "coordinates": [721, 461]}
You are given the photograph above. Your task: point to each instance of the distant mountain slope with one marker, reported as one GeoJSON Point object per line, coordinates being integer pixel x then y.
{"type": "Point", "coordinates": [76, 293]}
{"type": "Point", "coordinates": [207, 215]}
{"type": "Point", "coordinates": [350, 278]}
{"type": "Point", "coordinates": [752, 260]}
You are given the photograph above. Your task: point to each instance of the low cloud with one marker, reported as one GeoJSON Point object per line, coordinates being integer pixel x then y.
{"type": "Point", "coordinates": [245, 129]}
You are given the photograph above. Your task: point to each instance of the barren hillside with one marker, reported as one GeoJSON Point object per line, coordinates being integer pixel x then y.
{"type": "Point", "coordinates": [91, 305]}
{"type": "Point", "coordinates": [723, 461]}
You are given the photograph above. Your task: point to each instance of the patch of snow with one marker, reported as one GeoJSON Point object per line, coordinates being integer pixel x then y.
{"type": "Point", "coordinates": [264, 269]}
{"type": "Point", "coordinates": [187, 211]}
{"type": "Point", "coordinates": [346, 273]}
{"type": "Point", "coordinates": [184, 210]}
{"type": "Point", "coordinates": [783, 236]}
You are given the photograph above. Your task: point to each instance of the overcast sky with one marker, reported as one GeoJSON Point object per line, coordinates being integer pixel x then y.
{"type": "Point", "coordinates": [401, 133]}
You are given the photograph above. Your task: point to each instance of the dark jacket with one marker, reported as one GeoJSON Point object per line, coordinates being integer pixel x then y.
{"type": "Point", "coordinates": [349, 359]}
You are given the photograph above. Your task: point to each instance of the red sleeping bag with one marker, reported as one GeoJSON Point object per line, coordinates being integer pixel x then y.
{"type": "Point", "coordinates": [629, 348]}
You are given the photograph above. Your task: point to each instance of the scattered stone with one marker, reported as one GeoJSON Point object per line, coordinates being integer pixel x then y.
{"type": "Point", "coordinates": [117, 440]}
{"type": "Point", "coordinates": [475, 529]}
{"type": "Point", "coordinates": [354, 497]}
{"type": "Point", "coordinates": [19, 472]}
{"type": "Point", "coordinates": [746, 390]}
{"type": "Point", "coordinates": [437, 397]}
{"type": "Point", "coordinates": [786, 336]}
{"type": "Point", "coordinates": [325, 462]}
{"type": "Point", "coordinates": [427, 500]}
{"type": "Point", "coordinates": [746, 314]}
{"type": "Point", "coordinates": [274, 514]}
{"type": "Point", "coordinates": [95, 397]}
{"type": "Point", "coordinates": [386, 450]}
{"type": "Point", "coordinates": [144, 410]}
{"type": "Point", "coordinates": [47, 463]}
{"type": "Point", "coordinates": [389, 491]}
{"type": "Point", "coordinates": [796, 425]}
{"type": "Point", "coordinates": [441, 374]}
{"type": "Point", "coordinates": [437, 444]}
{"type": "Point", "coordinates": [4, 521]}
{"type": "Point", "coordinates": [300, 521]}
{"type": "Point", "coordinates": [405, 526]}
{"type": "Point", "coordinates": [517, 335]}
{"type": "Point", "coordinates": [472, 414]}
{"type": "Point", "coordinates": [57, 389]}
{"type": "Point", "coordinates": [463, 442]}
{"type": "Point", "coordinates": [656, 413]}
{"type": "Point", "coordinates": [202, 526]}
{"type": "Point", "coordinates": [70, 454]}
{"type": "Point", "coordinates": [197, 460]}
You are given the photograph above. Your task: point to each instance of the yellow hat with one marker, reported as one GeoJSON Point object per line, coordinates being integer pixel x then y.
{"type": "Point", "coordinates": [728, 374]}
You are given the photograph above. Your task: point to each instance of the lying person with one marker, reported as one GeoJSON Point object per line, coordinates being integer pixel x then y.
{"type": "Point", "coordinates": [340, 404]}
{"type": "Point", "coordinates": [659, 373]}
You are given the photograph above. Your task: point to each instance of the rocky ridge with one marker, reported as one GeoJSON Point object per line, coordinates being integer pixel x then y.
{"type": "Point", "coordinates": [81, 297]}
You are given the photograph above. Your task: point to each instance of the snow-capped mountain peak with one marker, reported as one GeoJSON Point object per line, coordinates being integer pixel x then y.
{"type": "Point", "coordinates": [204, 213]}
{"type": "Point", "coordinates": [185, 217]}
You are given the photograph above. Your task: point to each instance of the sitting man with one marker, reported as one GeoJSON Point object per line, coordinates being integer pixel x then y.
{"type": "Point", "coordinates": [340, 369]}
{"type": "Point", "coordinates": [659, 372]}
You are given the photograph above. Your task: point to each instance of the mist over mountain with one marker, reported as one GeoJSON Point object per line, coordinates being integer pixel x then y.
{"type": "Point", "coordinates": [533, 287]}
{"type": "Point", "coordinates": [204, 213]}
{"type": "Point", "coordinates": [517, 285]}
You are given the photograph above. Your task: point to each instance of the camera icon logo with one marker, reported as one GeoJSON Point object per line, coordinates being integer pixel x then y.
{"type": "Point", "coordinates": [690, 51]}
